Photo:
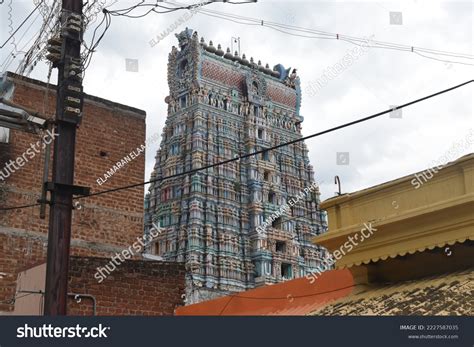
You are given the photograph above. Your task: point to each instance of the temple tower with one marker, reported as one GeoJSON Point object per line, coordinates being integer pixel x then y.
{"type": "Point", "coordinates": [220, 106]}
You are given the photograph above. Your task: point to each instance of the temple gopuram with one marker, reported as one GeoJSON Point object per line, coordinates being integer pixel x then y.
{"type": "Point", "coordinates": [222, 106]}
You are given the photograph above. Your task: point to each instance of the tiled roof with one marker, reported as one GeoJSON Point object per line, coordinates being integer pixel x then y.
{"type": "Point", "coordinates": [448, 294]}
{"type": "Point", "coordinates": [297, 297]}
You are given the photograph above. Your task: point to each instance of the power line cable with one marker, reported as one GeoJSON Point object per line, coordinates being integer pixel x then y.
{"type": "Point", "coordinates": [225, 306]}
{"type": "Point", "coordinates": [125, 12]}
{"type": "Point", "coordinates": [335, 36]}
{"type": "Point", "coordinates": [442, 60]}
{"type": "Point", "coordinates": [282, 144]}
{"type": "Point", "coordinates": [14, 298]}
{"type": "Point", "coordinates": [286, 298]}
{"type": "Point", "coordinates": [238, 158]}
{"type": "Point", "coordinates": [12, 56]}
{"type": "Point", "coordinates": [10, 24]}
{"type": "Point", "coordinates": [36, 51]}
{"type": "Point", "coordinates": [22, 23]}
{"type": "Point", "coordinates": [289, 296]}
{"type": "Point", "coordinates": [19, 207]}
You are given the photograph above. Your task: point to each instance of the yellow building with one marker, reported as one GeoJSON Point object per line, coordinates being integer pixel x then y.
{"type": "Point", "coordinates": [408, 243]}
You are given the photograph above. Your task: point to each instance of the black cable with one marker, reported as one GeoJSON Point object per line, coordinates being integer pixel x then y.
{"type": "Point", "coordinates": [13, 34]}
{"type": "Point", "coordinates": [95, 31]}
{"type": "Point", "coordinates": [88, 58]}
{"type": "Point", "coordinates": [12, 300]}
{"type": "Point", "coordinates": [35, 50]}
{"type": "Point", "coordinates": [130, 8]}
{"type": "Point", "coordinates": [18, 207]}
{"type": "Point", "coordinates": [167, 8]}
{"type": "Point", "coordinates": [142, 15]}
{"type": "Point", "coordinates": [125, 12]}
{"type": "Point", "coordinates": [286, 297]}
{"type": "Point", "coordinates": [225, 306]}
{"type": "Point", "coordinates": [264, 150]}
{"type": "Point", "coordinates": [6, 63]}
{"type": "Point", "coordinates": [280, 145]}
{"type": "Point", "coordinates": [240, 3]}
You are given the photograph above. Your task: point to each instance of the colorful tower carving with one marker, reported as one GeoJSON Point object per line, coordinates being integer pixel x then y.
{"type": "Point", "coordinates": [222, 106]}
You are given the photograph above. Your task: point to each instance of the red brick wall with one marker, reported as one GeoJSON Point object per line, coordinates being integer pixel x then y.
{"type": "Point", "coordinates": [226, 76]}
{"type": "Point", "coordinates": [135, 288]}
{"type": "Point", "coordinates": [283, 95]}
{"type": "Point", "coordinates": [276, 91]}
{"type": "Point", "coordinates": [105, 224]}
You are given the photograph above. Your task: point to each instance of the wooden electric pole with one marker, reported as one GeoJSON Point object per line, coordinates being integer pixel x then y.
{"type": "Point", "coordinates": [66, 56]}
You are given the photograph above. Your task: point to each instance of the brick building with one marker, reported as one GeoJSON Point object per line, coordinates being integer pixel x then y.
{"type": "Point", "coordinates": [101, 225]}
{"type": "Point", "coordinates": [137, 287]}
{"type": "Point", "coordinates": [227, 222]}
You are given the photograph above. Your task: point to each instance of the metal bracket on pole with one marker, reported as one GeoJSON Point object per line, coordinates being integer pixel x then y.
{"type": "Point", "coordinates": [47, 156]}
{"type": "Point", "coordinates": [75, 190]}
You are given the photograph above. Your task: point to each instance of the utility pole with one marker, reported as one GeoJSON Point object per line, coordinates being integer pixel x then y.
{"type": "Point", "coordinates": [65, 53]}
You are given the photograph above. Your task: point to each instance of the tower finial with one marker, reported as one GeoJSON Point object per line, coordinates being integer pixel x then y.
{"type": "Point", "coordinates": [211, 47]}
{"type": "Point", "coordinates": [219, 51]}
{"type": "Point", "coordinates": [228, 55]}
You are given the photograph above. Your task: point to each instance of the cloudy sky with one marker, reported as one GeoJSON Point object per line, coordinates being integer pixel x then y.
{"type": "Point", "coordinates": [379, 150]}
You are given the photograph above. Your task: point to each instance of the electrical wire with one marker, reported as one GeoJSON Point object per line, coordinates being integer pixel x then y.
{"type": "Point", "coordinates": [125, 11]}
{"type": "Point", "coordinates": [37, 50]}
{"type": "Point", "coordinates": [442, 60]}
{"type": "Point", "coordinates": [88, 57]}
{"type": "Point", "coordinates": [281, 298]}
{"type": "Point", "coordinates": [10, 25]}
{"type": "Point", "coordinates": [240, 3]}
{"type": "Point", "coordinates": [11, 56]}
{"type": "Point", "coordinates": [18, 207]}
{"type": "Point", "coordinates": [48, 29]}
{"type": "Point", "coordinates": [238, 158]}
{"type": "Point", "coordinates": [296, 31]}
{"type": "Point", "coordinates": [227, 304]}
{"type": "Point", "coordinates": [286, 298]}
{"type": "Point", "coordinates": [22, 23]}
{"type": "Point", "coordinates": [90, 49]}
{"type": "Point", "coordinates": [14, 298]}
{"type": "Point", "coordinates": [90, 11]}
